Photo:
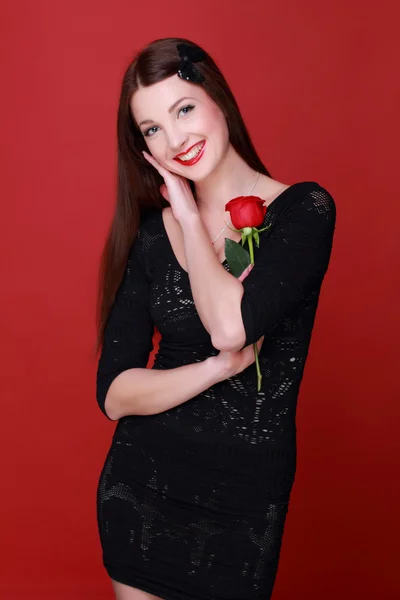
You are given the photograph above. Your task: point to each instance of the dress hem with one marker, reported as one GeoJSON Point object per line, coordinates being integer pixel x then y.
{"type": "Point", "coordinates": [137, 582]}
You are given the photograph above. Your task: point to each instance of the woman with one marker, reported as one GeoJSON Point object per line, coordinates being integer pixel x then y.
{"type": "Point", "coordinates": [194, 492]}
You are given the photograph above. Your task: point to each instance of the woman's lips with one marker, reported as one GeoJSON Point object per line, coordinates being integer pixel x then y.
{"type": "Point", "coordinates": [193, 160]}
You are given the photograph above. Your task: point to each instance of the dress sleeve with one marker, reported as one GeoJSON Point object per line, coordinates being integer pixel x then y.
{"type": "Point", "coordinates": [290, 262]}
{"type": "Point", "coordinates": [129, 330]}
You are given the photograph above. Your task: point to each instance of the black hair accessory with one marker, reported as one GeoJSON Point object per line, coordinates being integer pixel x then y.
{"type": "Point", "coordinates": [189, 55]}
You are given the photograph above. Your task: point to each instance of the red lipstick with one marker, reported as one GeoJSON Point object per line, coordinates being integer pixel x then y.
{"type": "Point", "coordinates": [193, 160]}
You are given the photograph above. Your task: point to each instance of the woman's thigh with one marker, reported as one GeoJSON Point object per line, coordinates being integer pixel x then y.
{"type": "Point", "coordinates": [126, 592]}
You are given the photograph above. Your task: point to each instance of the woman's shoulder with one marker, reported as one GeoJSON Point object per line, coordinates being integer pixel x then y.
{"type": "Point", "coordinates": [301, 195]}
{"type": "Point", "coordinates": [148, 237]}
{"type": "Point", "coordinates": [312, 196]}
{"type": "Point", "coordinates": [271, 189]}
{"type": "Point", "coordinates": [149, 216]}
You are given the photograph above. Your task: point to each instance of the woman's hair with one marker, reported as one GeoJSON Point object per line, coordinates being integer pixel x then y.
{"type": "Point", "coordinates": [138, 182]}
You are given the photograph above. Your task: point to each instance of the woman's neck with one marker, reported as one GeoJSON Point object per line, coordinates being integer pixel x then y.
{"type": "Point", "coordinates": [231, 178]}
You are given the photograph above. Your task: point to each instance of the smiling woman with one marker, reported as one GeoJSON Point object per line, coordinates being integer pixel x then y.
{"type": "Point", "coordinates": [195, 488]}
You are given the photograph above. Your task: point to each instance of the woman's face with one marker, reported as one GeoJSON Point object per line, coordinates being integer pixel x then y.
{"type": "Point", "coordinates": [174, 116]}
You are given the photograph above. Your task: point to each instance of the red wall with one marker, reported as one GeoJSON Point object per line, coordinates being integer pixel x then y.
{"type": "Point", "coordinates": [319, 89]}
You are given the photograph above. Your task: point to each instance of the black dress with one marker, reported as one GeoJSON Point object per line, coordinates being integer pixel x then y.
{"type": "Point", "coordinates": [191, 502]}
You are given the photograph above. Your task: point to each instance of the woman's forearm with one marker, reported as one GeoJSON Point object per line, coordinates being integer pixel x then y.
{"type": "Point", "coordinates": [151, 391]}
{"type": "Point", "coordinates": [217, 294]}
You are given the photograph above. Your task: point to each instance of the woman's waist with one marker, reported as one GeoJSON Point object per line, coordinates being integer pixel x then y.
{"type": "Point", "coordinates": [226, 449]}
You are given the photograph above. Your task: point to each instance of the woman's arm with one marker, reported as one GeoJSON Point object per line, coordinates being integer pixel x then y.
{"type": "Point", "coordinates": [128, 334]}
{"type": "Point", "coordinates": [216, 293]}
{"type": "Point", "coordinates": [151, 391]}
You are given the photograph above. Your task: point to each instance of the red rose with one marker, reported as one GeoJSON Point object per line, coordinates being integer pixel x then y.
{"type": "Point", "coordinates": [246, 211]}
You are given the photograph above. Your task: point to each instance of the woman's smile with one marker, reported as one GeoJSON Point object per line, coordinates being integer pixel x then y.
{"type": "Point", "coordinates": [192, 156]}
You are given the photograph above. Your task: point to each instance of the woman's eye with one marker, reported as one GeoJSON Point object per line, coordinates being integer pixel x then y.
{"type": "Point", "coordinates": [147, 132]}
{"type": "Point", "coordinates": [187, 108]}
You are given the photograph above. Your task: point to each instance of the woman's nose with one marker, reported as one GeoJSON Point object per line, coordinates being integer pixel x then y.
{"type": "Point", "coordinates": [177, 140]}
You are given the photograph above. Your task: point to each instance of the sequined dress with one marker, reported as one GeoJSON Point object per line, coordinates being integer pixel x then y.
{"type": "Point", "coordinates": [192, 502]}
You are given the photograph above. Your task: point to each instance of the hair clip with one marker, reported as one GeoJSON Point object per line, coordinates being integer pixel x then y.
{"type": "Point", "coordinates": [188, 55]}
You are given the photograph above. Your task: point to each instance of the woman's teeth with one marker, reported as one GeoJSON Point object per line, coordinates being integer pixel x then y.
{"type": "Point", "coordinates": [194, 152]}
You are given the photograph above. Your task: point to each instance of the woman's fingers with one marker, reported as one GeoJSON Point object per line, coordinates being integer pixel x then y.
{"type": "Point", "coordinates": [165, 174]}
{"type": "Point", "coordinates": [260, 342]}
{"type": "Point", "coordinates": [245, 272]}
{"type": "Point", "coordinates": [177, 191]}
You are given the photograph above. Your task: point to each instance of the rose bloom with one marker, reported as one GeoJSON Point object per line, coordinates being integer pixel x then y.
{"type": "Point", "coordinates": [246, 211]}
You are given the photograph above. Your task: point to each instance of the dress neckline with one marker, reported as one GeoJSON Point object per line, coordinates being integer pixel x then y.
{"type": "Point", "coordinates": [287, 191]}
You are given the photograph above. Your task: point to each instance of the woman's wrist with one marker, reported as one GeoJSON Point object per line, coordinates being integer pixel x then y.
{"type": "Point", "coordinates": [217, 369]}
{"type": "Point", "coordinates": [190, 218]}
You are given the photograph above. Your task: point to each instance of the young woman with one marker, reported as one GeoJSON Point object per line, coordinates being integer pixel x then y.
{"type": "Point", "coordinates": [194, 492]}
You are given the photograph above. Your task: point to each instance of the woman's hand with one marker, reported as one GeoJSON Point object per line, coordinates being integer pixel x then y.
{"type": "Point", "coordinates": [245, 272]}
{"type": "Point", "coordinates": [175, 189]}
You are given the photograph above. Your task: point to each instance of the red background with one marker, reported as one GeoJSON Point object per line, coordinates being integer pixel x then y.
{"type": "Point", "coordinates": [318, 86]}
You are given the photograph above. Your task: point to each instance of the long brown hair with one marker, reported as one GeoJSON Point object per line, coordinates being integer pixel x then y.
{"type": "Point", "coordinates": [138, 182]}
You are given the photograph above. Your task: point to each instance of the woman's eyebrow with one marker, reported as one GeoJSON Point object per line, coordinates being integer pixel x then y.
{"type": "Point", "coordinates": [171, 108]}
